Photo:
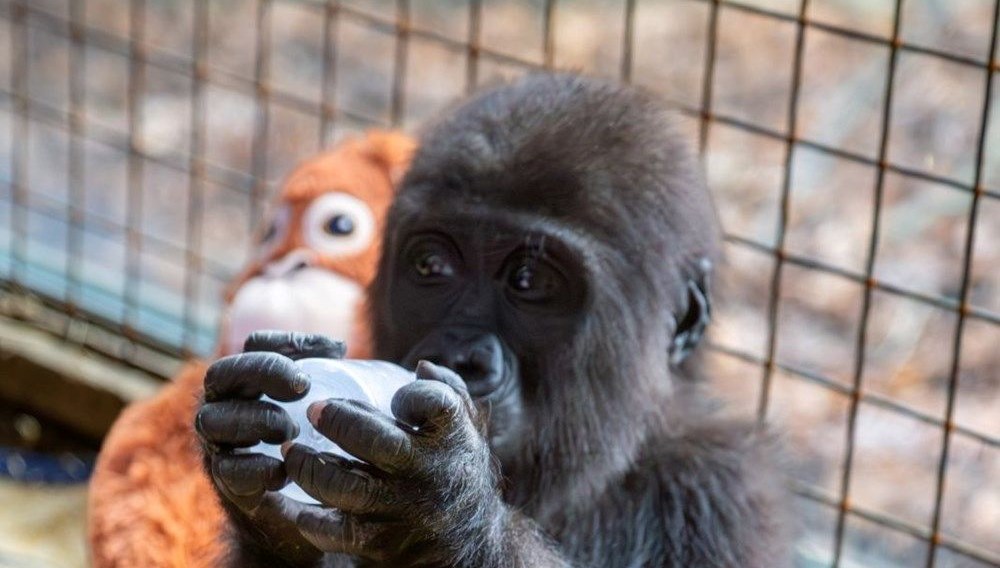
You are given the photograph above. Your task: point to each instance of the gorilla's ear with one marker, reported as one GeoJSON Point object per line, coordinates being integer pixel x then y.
{"type": "Point", "coordinates": [692, 323]}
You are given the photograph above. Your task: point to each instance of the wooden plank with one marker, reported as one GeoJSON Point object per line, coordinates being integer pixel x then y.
{"type": "Point", "coordinates": [62, 382]}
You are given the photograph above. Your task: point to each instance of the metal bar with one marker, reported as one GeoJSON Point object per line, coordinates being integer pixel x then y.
{"type": "Point", "coordinates": [628, 41]}
{"type": "Point", "coordinates": [51, 116]}
{"type": "Point", "coordinates": [236, 81]}
{"type": "Point", "coordinates": [328, 88]}
{"type": "Point", "coordinates": [897, 524]}
{"type": "Point", "coordinates": [808, 375]}
{"type": "Point", "coordinates": [853, 34]}
{"type": "Point", "coordinates": [474, 47]}
{"type": "Point", "coordinates": [193, 267]}
{"type": "Point", "coordinates": [942, 302]}
{"type": "Point", "coordinates": [134, 196]}
{"type": "Point", "coordinates": [19, 136]}
{"type": "Point", "coordinates": [909, 47]}
{"type": "Point", "coordinates": [75, 174]}
{"type": "Point", "coordinates": [774, 301]}
{"type": "Point", "coordinates": [398, 104]}
{"type": "Point", "coordinates": [862, 336]}
{"type": "Point", "coordinates": [229, 79]}
{"type": "Point", "coordinates": [548, 34]}
{"type": "Point", "coordinates": [169, 252]}
{"type": "Point", "coordinates": [966, 287]}
{"type": "Point", "coordinates": [833, 151]}
{"type": "Point", "coordinates": [112, 138]}
{"type": "Point", "coordinates": [704, 114]}
{"type": "Point", "coordinates": [262, 115]}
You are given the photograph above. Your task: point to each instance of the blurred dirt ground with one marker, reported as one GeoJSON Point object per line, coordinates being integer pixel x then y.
{"type": "Point", "coordinates": [933, 129]}
{"type": "Point", "coordinates": [42, 527]}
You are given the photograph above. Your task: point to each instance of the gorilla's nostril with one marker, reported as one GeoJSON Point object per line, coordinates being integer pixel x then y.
{"type": "Point", "coordinates": [476, 357]}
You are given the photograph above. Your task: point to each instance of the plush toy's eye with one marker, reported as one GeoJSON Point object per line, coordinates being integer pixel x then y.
{"type": "Point", "coordinates": [276, 231]}
{"type": "Point", "coordinates": [338, 224]}
{"type": "Point", "coordinates": [270, 233]}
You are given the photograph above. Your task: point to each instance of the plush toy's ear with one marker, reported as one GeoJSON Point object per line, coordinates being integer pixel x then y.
{"type": "Point", "coordinates": [694, 319]}
{"type": "Point", "coordinates": [391, 150]}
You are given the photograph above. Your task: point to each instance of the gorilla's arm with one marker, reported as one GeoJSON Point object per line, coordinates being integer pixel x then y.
{"type": "Point", "coordinates": [695, 498]}
{"type": "Point", "coordinates": [431, 498]}
{"type": "Point", "coordinates": [692, 498]}
{"type": "Point", "coordinates": [721, 478]}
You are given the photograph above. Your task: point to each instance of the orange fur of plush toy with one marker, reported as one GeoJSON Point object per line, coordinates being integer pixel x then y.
{"type": "Point", "coordinates": [150, 504]}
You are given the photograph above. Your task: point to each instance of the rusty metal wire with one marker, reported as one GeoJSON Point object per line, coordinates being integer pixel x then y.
{"type": "Point", "coordinates": [862, 343]}
{"type": "Point", "coordinates": [125, 338]}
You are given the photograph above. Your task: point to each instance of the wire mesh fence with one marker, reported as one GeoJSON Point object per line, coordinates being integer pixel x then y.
{"type": "Point", "coordinates": [851, 146]}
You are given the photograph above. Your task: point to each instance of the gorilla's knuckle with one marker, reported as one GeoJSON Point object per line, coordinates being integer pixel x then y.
{"type": "Point", "coordinates": [438, 396]}
{"type": "Point", "coordinates": [295, 466]}
{"type": "Point", "coordinates": [274, 424]}
{"type": "Point", "coordinates": [334, 421]}
{"type": "Point", "coordinates": [199, 422]}
{"type": "Point", "coordinates": [229, 470]}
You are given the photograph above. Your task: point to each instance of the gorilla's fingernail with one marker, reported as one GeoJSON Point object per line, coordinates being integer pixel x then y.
{"type": "Point", "coordinates": [424, 369]}
{"type": "Point", "coordinates": [314, 411]}
{"type": "Point", "coordinates": [284, 449]}
{"type": "Point", "coordinates": [300, 383]}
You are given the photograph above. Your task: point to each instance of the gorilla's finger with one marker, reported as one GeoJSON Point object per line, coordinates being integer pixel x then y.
{"type": "Point", "coordinates": [333, 531]}
{"type": "Point", "coordinates": [295, 345]}
{"type": "Point", "coordinates": [362, 431]}
{"type": "Point", "coordinates": [242, 423]}
{"type": "Point", "coordinates": [433, 407]}
{"type": "Point", "coordinates": [248, 375]}
{"type": "Point", "coordinates": [248, 474]}
{"type": "Point", "coordinates": [427, 371]}
{"type": "Point", "coordinates": [333, 481]}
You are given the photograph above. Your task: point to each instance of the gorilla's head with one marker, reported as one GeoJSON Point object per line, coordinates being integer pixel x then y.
{"type": "Point", "coordinates": [551, 243]}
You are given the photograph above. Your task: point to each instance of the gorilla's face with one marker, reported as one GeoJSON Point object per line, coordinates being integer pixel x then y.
{"type": "Point", "coordinates": [554, 260]}
{"type": "Point", "coordinates": [491, 297]}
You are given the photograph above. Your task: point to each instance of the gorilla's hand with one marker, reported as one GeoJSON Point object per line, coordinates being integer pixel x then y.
{"type": "Point", "coordinates": [231, 416]}
{"type": "Point", "coordinates": [427, 493]}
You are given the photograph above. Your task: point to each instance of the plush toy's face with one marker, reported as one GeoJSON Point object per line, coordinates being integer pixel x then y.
{"type": "Point", "coordinates": [319, 249]}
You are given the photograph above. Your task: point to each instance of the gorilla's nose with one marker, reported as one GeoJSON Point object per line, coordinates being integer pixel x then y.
{"type": "Point", "coordinates": [477, 357]}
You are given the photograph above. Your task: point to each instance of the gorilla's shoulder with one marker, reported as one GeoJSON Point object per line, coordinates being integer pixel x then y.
{"type": "Point", "coordinates": [717, 490]}
{"type": "Point", "coordinates": [720, 446]}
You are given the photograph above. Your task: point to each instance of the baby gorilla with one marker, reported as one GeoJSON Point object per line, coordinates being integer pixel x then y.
{"type": "Point", "coordinates": [547, 257]}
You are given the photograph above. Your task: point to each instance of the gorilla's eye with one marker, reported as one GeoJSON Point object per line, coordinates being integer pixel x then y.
{"type": "Point", "coordinates": [534, 282]}
{"type": "Point", "coordinates": [433, 265]}
{"type": "Point", "coordinates": [340, 224]}
{"type": "Point", "coordinates": [523, 279]}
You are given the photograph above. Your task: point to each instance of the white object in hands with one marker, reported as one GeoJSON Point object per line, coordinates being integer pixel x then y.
{"type": "Point", "coordinates": [374, 382]}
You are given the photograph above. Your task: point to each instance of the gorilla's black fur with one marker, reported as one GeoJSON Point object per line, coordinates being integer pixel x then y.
{"type": "Point", "coordinates": [552, 244]}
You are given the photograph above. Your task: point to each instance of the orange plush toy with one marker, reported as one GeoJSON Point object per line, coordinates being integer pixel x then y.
{"type": "Point", "coordinates": [151, 505]}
